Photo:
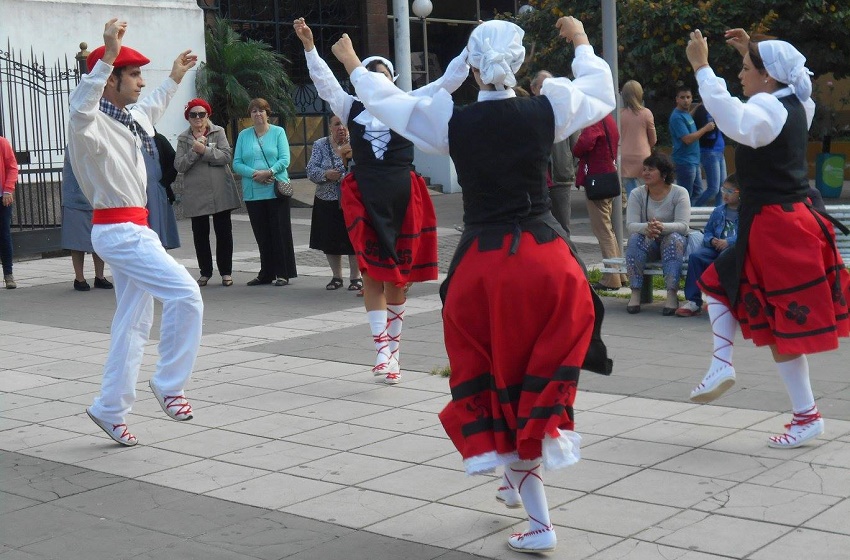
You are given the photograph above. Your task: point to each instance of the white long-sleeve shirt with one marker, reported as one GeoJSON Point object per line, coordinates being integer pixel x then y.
{"type": "Point", "coordinates": [755, 123]}
{"type": "Point", "coordinates": [425, 120]}
{"type": "Point", "coordinates": [340, 101]}
{"type": "Point", "coordinates": [105, 155]}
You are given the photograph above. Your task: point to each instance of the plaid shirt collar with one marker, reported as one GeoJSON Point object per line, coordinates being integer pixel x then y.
{"type": "Point", "coordinates": [124, 117]}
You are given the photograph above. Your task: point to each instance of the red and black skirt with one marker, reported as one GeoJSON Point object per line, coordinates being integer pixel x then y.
{"type": "Point", "coordinates": [515, 350]}
{"type": "Point", "coordinates": [794, 288]}
{"type": "Point", "coordinates": [416, 242]}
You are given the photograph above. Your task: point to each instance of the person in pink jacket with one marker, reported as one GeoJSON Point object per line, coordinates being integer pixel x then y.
{"type": "Point", "coordinates": [637, 135]}
{"type": "Point", "coordinates": [8, 178]}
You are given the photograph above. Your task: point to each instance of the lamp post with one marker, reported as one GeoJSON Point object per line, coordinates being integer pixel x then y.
{"type": "Point", "coordinates": [422, 9]}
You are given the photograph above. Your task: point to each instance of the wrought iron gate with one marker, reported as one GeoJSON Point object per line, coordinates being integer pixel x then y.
{"type": "Point", "coordinates": [33, 117]}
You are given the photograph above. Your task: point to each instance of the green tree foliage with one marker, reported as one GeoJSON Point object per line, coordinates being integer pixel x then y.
{"type": "Point", "coordinates": [651, 35]}
{"type": "Point", "coordinates": [237, 71]}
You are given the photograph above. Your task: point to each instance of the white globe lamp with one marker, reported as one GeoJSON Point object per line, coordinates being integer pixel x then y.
{"type": "Point", "coordinates": [525, 9]}
{"type": "Point", "coordinates": [422, 8]}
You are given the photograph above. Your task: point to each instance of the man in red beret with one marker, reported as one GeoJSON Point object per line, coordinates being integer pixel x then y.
{"type": "Point", "coordinates": [113, 156]}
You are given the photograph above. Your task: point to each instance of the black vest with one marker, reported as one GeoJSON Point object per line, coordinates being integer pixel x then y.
{"type": "Point", "coordinates": [384, 184]}
{"type": "Point", "coordinates": [502, 181]}
{"type": "Point", "coordinates": [776, 173]}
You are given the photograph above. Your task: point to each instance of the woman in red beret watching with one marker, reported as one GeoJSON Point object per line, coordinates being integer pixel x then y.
{"type": "Point", "coordinates": [203, 157]}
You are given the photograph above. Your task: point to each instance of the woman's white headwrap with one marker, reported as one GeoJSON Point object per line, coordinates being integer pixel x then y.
{"type": "Point", "coordinates": [383, 61]}
{"type": "Point", "coordinates": [786, 64]}
{"type": "Point", "coordinates": [495, 48]}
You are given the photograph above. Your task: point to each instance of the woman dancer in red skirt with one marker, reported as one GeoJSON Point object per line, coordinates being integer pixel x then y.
{"type": "Point", "coordinates": [388, 211]}
{"type": "Point", "coordinates": [515, 353]}
{"type": "Point", "coordinates": [785, 283]}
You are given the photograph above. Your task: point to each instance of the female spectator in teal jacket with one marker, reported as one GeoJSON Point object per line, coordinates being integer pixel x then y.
{"type": "Point", "coordinates": [260, 157]}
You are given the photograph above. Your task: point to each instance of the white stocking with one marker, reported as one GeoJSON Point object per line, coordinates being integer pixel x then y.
{"type": "Point", "coordinates": [795, 374]}
{"type": "Point", "coordinates": [723, 326]}
{"type": "Point", "coordinates": [395, 322]}
{"type": "Point", "coordinates": [527, 478]}
{"type": "Point", "coordinates": [378, 325]}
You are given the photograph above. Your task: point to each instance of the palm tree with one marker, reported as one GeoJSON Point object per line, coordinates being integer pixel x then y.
{"type": "Point", "coordinates": [237, 71]}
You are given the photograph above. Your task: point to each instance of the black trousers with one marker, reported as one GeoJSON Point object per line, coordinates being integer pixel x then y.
{"type": "Point", "coordinates": [272, 225]}
{"type": "Point", "coordinates": [223, 243]}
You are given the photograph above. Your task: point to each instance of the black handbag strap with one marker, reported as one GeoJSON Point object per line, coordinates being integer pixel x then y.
{"type": "Point", "coordinates": [260, 142]}
{"type": "Point", "coordinates": [607, 139]}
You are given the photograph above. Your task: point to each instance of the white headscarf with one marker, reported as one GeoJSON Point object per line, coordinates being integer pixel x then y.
{"type": "Point", "coordinates": [786, 65]}
{"type": "Point", "coordinates": [495, 48]}
{"type": "Point", "coordinates": [383, 61]}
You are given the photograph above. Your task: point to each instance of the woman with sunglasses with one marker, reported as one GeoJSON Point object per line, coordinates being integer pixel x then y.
{"type": "Point", "coordinates": [203, 157]}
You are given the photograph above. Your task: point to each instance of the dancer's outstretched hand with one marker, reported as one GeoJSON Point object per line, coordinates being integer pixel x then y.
{"type": "Point", "coordinates": [739, 39]}
{"type": "Point", "coordinates": [304, 33]}
{"type": "Point", "coordinates": [344, 52]}
{"type": "Point", "coordinates": [697, 50]}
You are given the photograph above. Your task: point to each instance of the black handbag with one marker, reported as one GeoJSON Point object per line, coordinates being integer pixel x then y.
{"type": "Point", "coordinates": [282, 189]}
{"type": "Point", "coordinates": [600, 186]}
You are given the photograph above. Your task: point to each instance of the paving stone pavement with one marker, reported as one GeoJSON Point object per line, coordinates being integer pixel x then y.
{"type": "Point", "coordinates": [297, 451]}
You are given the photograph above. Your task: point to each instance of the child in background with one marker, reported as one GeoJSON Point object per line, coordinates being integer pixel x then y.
{"type": "Point", "coordinates": [720, 234]}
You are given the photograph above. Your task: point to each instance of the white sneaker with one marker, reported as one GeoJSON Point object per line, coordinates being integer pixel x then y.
{"type": "Point", "coordinates": [118, 432]}
{"type": "Point", "coordinates": [176, 406]}
{"type": "Point", "coordinates": [509, 496]}
{"type": "Point", "coordinates": [540, 540]}
{"type": "Point", "coordinates": [796, 434]}
{"type": "Point", "coordinates": [715, 383]}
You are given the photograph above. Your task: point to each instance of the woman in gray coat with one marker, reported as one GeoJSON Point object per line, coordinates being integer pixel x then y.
{"type": "Point", "coordinates": [203, 157]}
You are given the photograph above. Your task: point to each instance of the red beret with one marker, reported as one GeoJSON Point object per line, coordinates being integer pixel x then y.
{"type": "Point", "coordinates": [126, 57]}
{"type": "Point", "coordinates": [197, 103]}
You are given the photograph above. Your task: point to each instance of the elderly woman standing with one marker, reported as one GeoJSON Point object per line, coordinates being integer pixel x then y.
{"type": "Point", "coordinates": [637, 134]}
{"type": "Point", "coordinates": [784, 282]}
{"type": "Point", "coordinates": [657, 217]}
{"type": "Point", "coordinates": [261, 156]}
{"type": "Point", "coordinates": [515, 354]}
{"type": "Point", "coordinates": [327, 166]}
{"type": "Point", "coordinates": [203, 157]}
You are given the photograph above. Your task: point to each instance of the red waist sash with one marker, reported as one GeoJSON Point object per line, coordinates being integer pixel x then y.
{"type": "Point", "coordinates": [133, 214]}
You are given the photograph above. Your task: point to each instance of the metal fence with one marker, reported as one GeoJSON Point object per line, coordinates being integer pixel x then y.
{"type": "Point", "coordinates": [33, 115]}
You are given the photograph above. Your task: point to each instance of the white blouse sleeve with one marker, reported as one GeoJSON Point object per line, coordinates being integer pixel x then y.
{"type": "Point", "coordinates": [328, 86]}
{"type": "Point", "coordinates": [584, 100]}
{"type": "Point", "coordinates": [755, 123]}
{"type": "Point", "coordinates": [422, 120]}
{"type": "Point", "coordinates": [456, 73]}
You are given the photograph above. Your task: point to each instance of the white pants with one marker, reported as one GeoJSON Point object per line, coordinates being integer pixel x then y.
{"type": "Point", "coordinates": [142, 270]}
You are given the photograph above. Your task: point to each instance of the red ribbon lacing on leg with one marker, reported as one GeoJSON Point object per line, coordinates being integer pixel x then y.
{"type": "Point", "coordinates": [382, 344]}
{"type": "Point", "coordinates": [393, 316]}
{"type": "Point", "coordinates": [723, 338]}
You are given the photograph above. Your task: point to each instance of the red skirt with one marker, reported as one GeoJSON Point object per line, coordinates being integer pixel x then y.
{"type": "Point", "coordinates": [416, 244]}
{"type": "Point", "coordinates": [794, 287]}
{"type": "Point", "coordinates": [517, 328]}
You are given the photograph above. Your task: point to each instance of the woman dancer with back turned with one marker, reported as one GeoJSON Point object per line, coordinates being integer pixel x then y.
{"type": "Point", "coordinates": [387, 208]}
{"type": "Point", "coordinates": [784, 282]}
{"type": "Point", "coordinates": [515, 354]}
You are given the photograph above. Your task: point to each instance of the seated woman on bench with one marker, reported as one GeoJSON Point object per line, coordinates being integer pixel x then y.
{"type": "Point", "coordinates": [657, 218]}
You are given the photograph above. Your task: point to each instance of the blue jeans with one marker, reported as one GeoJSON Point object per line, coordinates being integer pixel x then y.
{"type": "Point", "coordinates": [698, 261]}
{"type": "Point", "coordinates": [6, 238]}
{"type": "Point", "coordinates": [688, 175]}
{"type": "Point", "coordinates": [631, 183]}
{"type": "Point", "coordinates": [714, 164]}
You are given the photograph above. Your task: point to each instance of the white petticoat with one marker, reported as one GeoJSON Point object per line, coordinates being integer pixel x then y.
{"type": "Point", "coordinates": [560, 452]}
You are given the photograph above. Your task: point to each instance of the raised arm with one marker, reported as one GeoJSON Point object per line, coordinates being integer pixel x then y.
{"type": "Point", "coordinates": [456, 73]}
{"type": "Point", "coordinates": [422, 120]}
{"type": "Point", "coordinates": [590, 96]}
{"type": "Point", "coordinates": [155, 104]}
{"type": "Point", "coordinates": [323, 78]}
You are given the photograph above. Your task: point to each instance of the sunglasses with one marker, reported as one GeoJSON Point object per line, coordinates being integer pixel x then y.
{"type": "Point", "coordinates": [729, 191]}
{"type": "Point", "coordinates": [200, 115]}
